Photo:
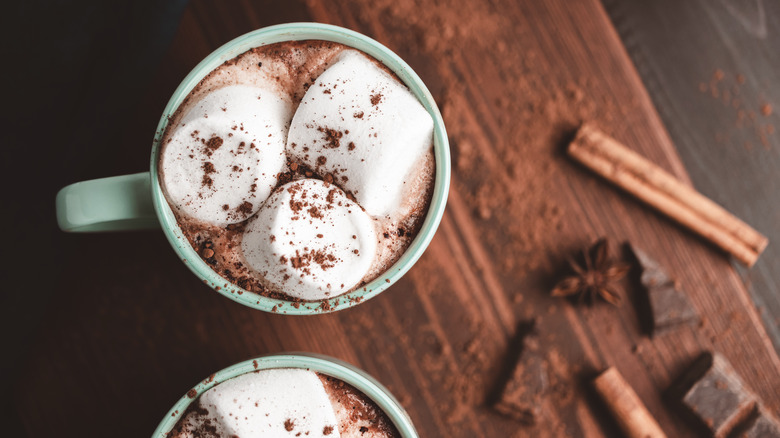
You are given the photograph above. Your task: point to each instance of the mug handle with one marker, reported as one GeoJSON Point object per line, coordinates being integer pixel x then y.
{"type": "Point", "coordinates": [117, 203]}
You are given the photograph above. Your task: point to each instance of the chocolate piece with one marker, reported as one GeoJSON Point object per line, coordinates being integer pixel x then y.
{"type": "Point", "coordinates": [669, 306]}
{"type": "Point", "coordinates": [652, 273]}
{"type": "Point", "coordinates": [523, 394]}
{"type": "Point", "coordinates": [762, 426]}
{"type": "Point", "coordinates": [717, 397]}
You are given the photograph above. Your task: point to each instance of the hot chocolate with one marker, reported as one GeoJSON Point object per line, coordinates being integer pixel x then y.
{"type": "Point", "coordinates": [299, 170]}
{"type": "Point", "coordinates": [280, 403]}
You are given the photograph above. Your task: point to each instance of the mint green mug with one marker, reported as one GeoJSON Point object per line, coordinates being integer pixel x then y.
{"type": "Point", "coordinates": [309, 361]}
{"type": "Point", "coordinates": [136, 201]}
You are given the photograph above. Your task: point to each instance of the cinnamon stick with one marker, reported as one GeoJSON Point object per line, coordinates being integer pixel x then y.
{"type": "Point", "coordinates": [658, 188]}
{"type": "Point", "coordinates": [630, 413]}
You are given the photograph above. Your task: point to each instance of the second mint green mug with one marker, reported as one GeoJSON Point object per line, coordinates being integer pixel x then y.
{"type": "Point", "coordinates": [131, 202]}
{"type": "Point", "coordinates": [308, 361]}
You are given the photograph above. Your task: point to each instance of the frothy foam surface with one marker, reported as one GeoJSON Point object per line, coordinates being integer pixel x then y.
{"type": "Point", "coordinates": [224, 156]}
{"type": "Point", "coordinates": [310, 240]}
{"type": "Point", "coordinates": [270, 403]}
{"type": "Point", "coordinates": [361, 126]}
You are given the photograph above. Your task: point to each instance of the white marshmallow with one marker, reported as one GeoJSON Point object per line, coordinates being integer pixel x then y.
{"type": "Point", "coordinates": [310, 240]}
{"type": "Point", "coordinates": [258, 404]}
{"type": "Point", "coordinates": [225, 155]}
{"type": "Point", "coordinates": [368, 127]}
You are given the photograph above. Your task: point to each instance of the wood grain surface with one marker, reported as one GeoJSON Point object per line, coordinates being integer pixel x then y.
{"type": "Point", "coordinates": [730, 147]}
{"type": "Point", "coordinates": [133, 330]}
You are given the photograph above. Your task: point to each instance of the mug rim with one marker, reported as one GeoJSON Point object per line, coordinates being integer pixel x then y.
{"type": "Point", "coordinates": [296, 32]}
{"type": "Point", "coordinates": [321, 363]}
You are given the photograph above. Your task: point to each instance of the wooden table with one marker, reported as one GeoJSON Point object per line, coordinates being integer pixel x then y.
{"type": "Point", "coordinates": [131, 329]}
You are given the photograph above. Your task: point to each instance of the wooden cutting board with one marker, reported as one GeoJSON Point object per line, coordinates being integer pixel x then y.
{"type": "Point", "coordinates": [726, 130]}
{"type": "Point", "coordinates": [130, 333]}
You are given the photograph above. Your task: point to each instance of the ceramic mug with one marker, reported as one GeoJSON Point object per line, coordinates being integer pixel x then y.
{"type": "Point", "coordinates": [137, 202]}
{"type": "Point", "coordinates": [309, 361]}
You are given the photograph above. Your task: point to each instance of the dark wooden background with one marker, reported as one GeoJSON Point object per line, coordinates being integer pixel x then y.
{"type": "Point", "coordinates": [106, 331]}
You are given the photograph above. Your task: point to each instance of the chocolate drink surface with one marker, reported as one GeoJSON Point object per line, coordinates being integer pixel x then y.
{"type": "Point", "coordinates": [283, 402]}
{"type": "Point", "coordinates": [299, 170]}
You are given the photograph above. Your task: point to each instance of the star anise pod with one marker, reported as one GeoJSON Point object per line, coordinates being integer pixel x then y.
{"type": "Point", "coordinates": [594, 277]}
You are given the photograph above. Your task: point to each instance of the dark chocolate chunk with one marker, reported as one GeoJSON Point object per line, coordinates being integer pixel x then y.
{"type": "Point", "coordinates": [717, 396]}
{"type": "Point", "coordinates": [762, 426]}
{"type": "Point", "coordinates": [652, 273]}
{"type": "Point", "coordinates": [523, 394]}
{"type": "Point", "coordinates": [669, 306]}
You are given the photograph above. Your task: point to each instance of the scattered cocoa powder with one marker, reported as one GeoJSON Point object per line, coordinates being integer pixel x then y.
{"type": "Point", "coordinates": [245, 208]}
{"type": "Point", "coordinates": [214, 143]}
{"type": "Point", "coordinates": [748, 128]}
{"type": "Point", "coordinates": [332, 137]}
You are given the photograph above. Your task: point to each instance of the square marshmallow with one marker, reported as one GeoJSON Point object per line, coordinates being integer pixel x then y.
{"type": "Point", "coordinates": [363, 127]}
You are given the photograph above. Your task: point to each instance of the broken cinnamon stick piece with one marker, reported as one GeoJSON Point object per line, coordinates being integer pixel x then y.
{"type": "Point", "coordinates": [661, 190]}
{"type": "Point", "coordinates": [629, 411]}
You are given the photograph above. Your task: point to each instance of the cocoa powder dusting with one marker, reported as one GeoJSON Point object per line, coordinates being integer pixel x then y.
{"type": "Point", "coordinates": [331, 196]}
{"type": "Point", "coordinates": [208, 169]}
{"type": "Point", "coordinates": [214, 143]}
{"type": "Point", "coordinates": [752, 122]}
{"type": "Point", "coordinates": [332, 137]}
{"type": "Point", "coordinates": [296, 205]}
{"type": "Point", "coordinates": [315, 212]}
{"type": "Point", "coordinates": [245, 208]}
{"type": "Point", "coordinates": [303, 259]}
